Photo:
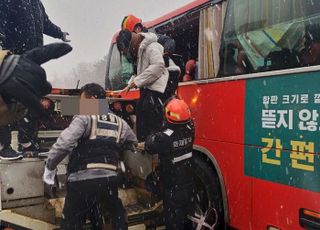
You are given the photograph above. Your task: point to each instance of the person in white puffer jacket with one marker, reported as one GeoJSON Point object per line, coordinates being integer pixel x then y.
{"type": "Point", "coordinates": [152, 78]}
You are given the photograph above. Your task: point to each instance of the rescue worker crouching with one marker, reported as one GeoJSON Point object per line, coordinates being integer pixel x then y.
{"type": "Point", "coordinates": [94, 143]}
{"type": "Point", "coordinates": [174, 146]}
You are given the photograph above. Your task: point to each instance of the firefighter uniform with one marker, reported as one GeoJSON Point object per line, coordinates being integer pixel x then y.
{"type": "Point", "coordinates": [174, 146]}
{"type": "Point", "coordinates": [92, 168]}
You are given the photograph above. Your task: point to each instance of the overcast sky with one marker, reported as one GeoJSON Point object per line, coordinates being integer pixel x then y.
{"type": "Point", "coordinates": [92, 23]}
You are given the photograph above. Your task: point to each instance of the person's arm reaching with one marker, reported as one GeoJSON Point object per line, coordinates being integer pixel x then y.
{"type": "Point", "coordinates": [127, 135]}
{"type": "Point", "coordinates": [51, 29]}
{"type": "Point", "coordinates": [67, 140]}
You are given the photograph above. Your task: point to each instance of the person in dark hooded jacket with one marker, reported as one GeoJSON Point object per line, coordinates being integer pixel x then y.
{"type": "Point", "coordinates": [22, 25]}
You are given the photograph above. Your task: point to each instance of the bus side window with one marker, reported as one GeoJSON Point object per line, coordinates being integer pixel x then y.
{"type": "Point", "coordinates": [184, 30]}
{"type": "Point", "coordinates": [310, 55]}
{"type": "Point", "coordinates": [268, 41]}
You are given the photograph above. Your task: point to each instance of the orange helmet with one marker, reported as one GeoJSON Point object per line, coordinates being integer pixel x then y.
{"type": "Point", "coordinates": [130, 22]}
{"type": "Point", "coordinates": [177, 111]}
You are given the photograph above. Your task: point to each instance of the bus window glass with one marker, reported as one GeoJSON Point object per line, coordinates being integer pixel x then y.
{"type": "Point", "coordinates": [184, 30]}
{"type": "Point", "coordinates": [120, 70]}
{"type": "Point", "coordinates": [271, 35]}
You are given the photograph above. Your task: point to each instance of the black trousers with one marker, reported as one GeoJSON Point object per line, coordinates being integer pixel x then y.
{"type": "Point", "coordinates": [5, 135]}
{"type": "Point", "coordinates": [149, 113]}
{"type": "Point", "coordinates": [178, 203]}
{"type": "Point", "coordinates": [90, 198]}
{"type": "Point", "coordinates": [27, 132]}
{"type": "Point", "coordinates": [178, 193]}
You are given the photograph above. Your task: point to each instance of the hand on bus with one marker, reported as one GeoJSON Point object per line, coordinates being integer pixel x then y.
{"type": "Point", "coordinates": [127, 89]}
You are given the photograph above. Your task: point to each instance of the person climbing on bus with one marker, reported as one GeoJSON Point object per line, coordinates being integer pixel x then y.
{"type": "Point", "coordinates": [152, 77]}
{"type": "Point", "coordinates": [134, 24]}
{"type": "Point", "coordinates": [174, 144]}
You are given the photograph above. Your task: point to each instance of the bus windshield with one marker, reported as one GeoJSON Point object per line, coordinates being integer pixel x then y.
{"type": "Point", "coordinates": [119, 72]}
{"type": "Point", "coordinates": [270, 35]}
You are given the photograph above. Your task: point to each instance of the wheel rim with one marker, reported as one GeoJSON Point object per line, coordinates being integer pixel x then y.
{"type": "Point", "coordinates": [206, 217]}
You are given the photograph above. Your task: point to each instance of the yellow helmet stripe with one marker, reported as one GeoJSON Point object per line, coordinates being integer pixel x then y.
{"type": "Point", "coordinates": [124, 24]}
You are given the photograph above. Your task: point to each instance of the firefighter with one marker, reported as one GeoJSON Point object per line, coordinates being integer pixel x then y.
{"type": "Point", "coordinates": [174, 146]}
{"type": "Point", "coordinates": [93, 143]}
{"type": "Point", "coordinates": [22, 25]}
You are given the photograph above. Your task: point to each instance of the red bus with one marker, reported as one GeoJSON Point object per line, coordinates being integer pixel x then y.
{"type": "Point", "coordinates": [255, 100]}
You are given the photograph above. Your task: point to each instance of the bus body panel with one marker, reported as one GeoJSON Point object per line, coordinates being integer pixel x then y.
{"type": "Point", "coordinates": [221, 105]}
{"type": "Point", "coordinates": [230, 159]}
{"type": "Point", "coordinates": [278, 205]}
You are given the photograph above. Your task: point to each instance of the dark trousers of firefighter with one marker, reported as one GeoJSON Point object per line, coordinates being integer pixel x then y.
{"type": "Point", "coordinates": [178, 203]}
{"type": "Point", "coordinates": [27, 132]}
{"type": "Point", "coordinates": [90, 198]}
{"type": "Point", "coordinates": [178, 194]}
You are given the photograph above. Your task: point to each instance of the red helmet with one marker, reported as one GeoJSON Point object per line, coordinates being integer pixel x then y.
{"type": "Point", "coordinates": [130, 22]}
{"type": "Point", "coordinates": [177, 111]}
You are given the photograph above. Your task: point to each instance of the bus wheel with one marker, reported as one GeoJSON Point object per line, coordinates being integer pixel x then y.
{"type": "Point", "coordinates": [208, 200]}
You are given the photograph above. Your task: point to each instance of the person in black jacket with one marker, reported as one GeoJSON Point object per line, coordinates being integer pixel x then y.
{"type": "Point", "coordinates": [174, 146]}
{"type": "Point", "coordinates": [22, 25]}
{"type": "Point", "coordinates": [23, 82]}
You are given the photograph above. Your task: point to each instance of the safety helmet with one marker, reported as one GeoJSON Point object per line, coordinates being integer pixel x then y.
{"type": "Point", "coordinates": [176, 111]}
{"type": "Point", "coordinates": [130, 22]}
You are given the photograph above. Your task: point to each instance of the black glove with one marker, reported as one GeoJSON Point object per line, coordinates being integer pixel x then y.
{"type": "Point", "coordinates": [22, 79]}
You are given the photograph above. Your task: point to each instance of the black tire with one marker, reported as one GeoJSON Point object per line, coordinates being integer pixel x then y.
{"type": "Point", "coordinates": [208, 198]}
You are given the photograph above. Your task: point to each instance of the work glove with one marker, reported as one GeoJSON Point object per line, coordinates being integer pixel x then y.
{"type": "Point", "coordinates": [49, 175]}
{"type": "Point", "coordinates": [64, 37]}
{"type": "Point", "coordinates": [23, 80]}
